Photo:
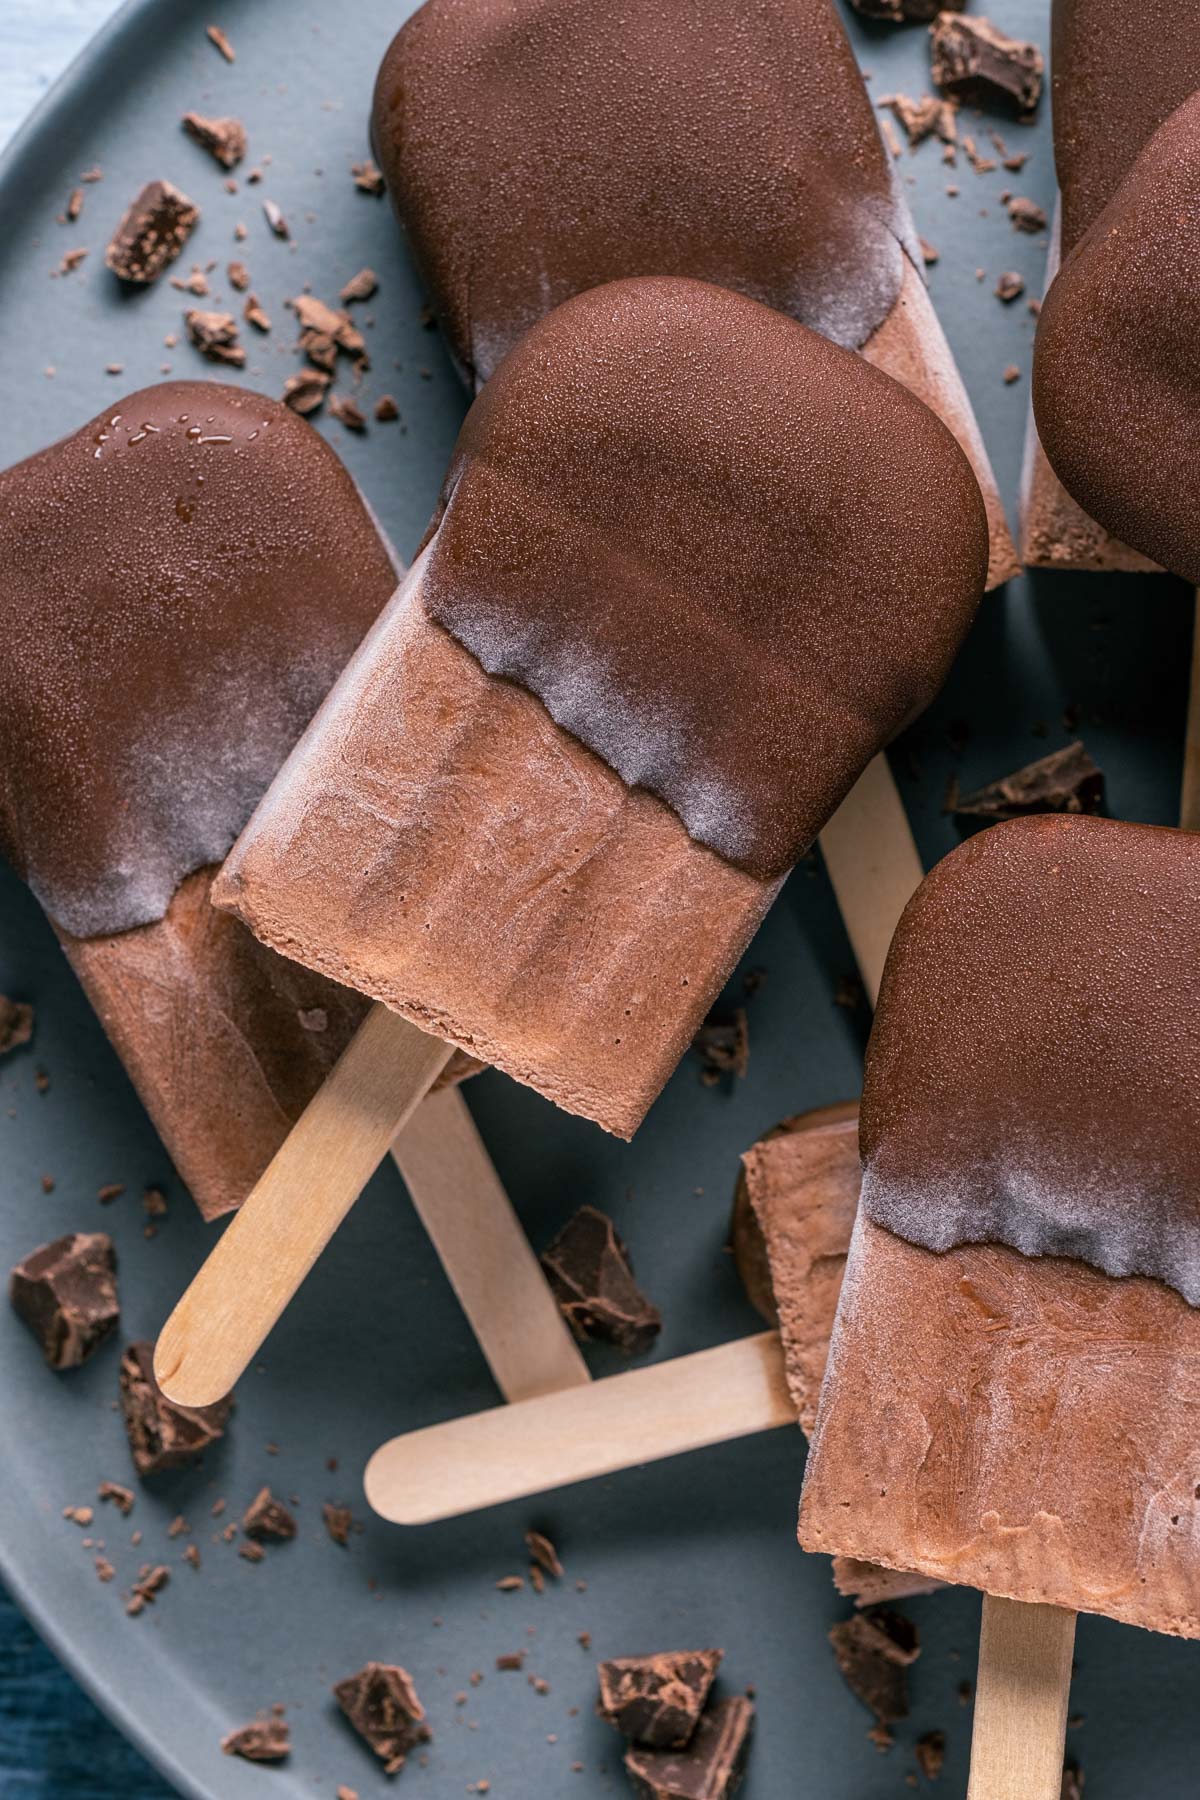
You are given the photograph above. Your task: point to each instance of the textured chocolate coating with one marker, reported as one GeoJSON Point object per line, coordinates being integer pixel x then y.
{"type": "Point", "coordinates": [1118, 71]}
{"type": "Point", "coordinates": [1033, 1078]}
{"type": "Point", "coordinates": [1116, 380]}
{"type": "Point", "coordinates": [180, 581]}
{"type": "Point", "coordinates": [535, 148]}
{"type": "Point", "coordinates": [732, 558]}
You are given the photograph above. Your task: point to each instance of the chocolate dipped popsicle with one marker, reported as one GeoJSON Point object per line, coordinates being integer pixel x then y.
{"type": "Point", "coordinates": [1013, 1392]}
{"type": "Point", "coordinates": [536, 148]}
{"type": "Point", "coordinates": [641, 657]}
{"type": "Point", "coordinates": [1113, 362]}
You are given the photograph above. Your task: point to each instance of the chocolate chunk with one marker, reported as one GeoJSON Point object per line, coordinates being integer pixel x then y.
{"type": "Point", "coordinates": [224, 139]}
{"type": "Point", "coordinates": [239, 276]}
{"type": "Point", "coordinates": [920, 118]}
{"type": "Point", "coordinates": [971, 60]}
{"type": "Point", "coordinates": [152, 1579]}
{"type": "Point", "coordinates": [1011, 373]}
{"type": "Point", "coordinates": [255, 314]}
{"type": "Point", "coordinates": [931, 1754]}
{"type": "Point", "coordinates": [1066, 781]}
{"type": "Point", "coordinates": [348, 413]}
{"type": "Point", "coordinates": [305, 392]}
{"type": "Point", "coordinates": [360, 286]}
{"type": "Point", "coordinates": [66, 1292]}
{"type": "Point", "coordinates": [121, 1497]}
{"type": "Point", "coordinates": [338, 1521]}
{"type": "Point", "coordinates": [657, 1700]}
{"type": "Point", "coordinates": [267, 1517]}
{"type": "Point", "coordinates": [905, 12]}
{"type": "Point", "coordinates": [711, 1767]}
{"type": "Point", "coordinates": [217, 37]}
{"type": "Point", "coordinates": [1026, 215]}
{"type": "Point", "coordinates": [328, 322]}
{"type": "Point", "coordinates": [386, 410]}
{"type": "Point", "coordinates": [275, 219]}
{"type": "Point", "coordinates": [1010, 286]}
{"type": "Point", "coordinates": [723, 1046]}
{"type": "Point", "coordinates": [368, 177]}
{"type": "Point", "coordinates": [264, 1741]}
{"type": "Point", "coordinates": [16, 1024]}
{"type": "Point", "coordinates": [215, 335]}
{"type": "Point", "coordinates": [154, 230]}
{"type": "Point", "coordinates": [381, 1703]}
{"type": "Point", "coordinates": [161, 1434]}
{"type": "Point", "coordinates": [544, 1555]}
{"type": "Point", "coordinates": [873, 1650]}
{"type": "Point", "coordinates": [589, 1270]}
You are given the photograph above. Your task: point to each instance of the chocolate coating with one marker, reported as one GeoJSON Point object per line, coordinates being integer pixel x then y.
{"type": "Point", "coordinates": [732, 558]}
{"type": "Point", "coordinates": [1116, 379]}
{"type": "Point", "coordinates": [535, 148]}
{"type": "Point", "coordinates": [180, 582]}
{"type": "Point", "coordinates": [1033, 1077]}
{"type": "Point", "coordinates": [1118, 72]}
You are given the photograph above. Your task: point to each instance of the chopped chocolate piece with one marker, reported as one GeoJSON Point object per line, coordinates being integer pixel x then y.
{"type": "Point", "coordinates": [267, 1740]}
{"type": "Point", "coordinates": [154, 230]}
{"type": "Point", "coordinates": [161, 1434]}
{"type": "Point", "coordinates": [1026, 215]}
{"type": "Point", "coordinates": [511, 1662]}
{"type": "Point", "coordinates": [510, 1584]}
{"type": "Point", "coordinates": [723, 1046]}
{"type": "Point", "coordinates": [71, 261]}
{"type": "Point", "coordinates": [320, 349]}
{"type": "Point", "coordinates": [360, 286]}
{"type": "Point", "coordinates": [239, 276]}
{"type": "Point", "coordinates": [215, 335]}
{"type": "Point", "coordinates": [1066, 781]}
{"type": "Point", "coordinates": [79, 1515]}
{"type": "Point", "coordinates": [348, 413]}
{"type": "Point", "coordinates": [971, 60]}
{"type": "Point", "coordinates": [154, 1203]}
{"type": "Point", "coordinates": [192, 1555]}
{"type": "Point", "coordinates": [121, 1497]}
{"type": "Point", "coordinates": [982, 165]}
{"type": "Point", "coordinates": [1072, 1782]}
{"type": "Point", "coordinates": [873, 1651]}
{"type": "Point", "coordinates": [657, 1700]}
{"type": "Point", "coordinates": [74, 205]}
{"type": "Point", "coordinates": [328, 322]}
{"type": "Point", "coordinates": [920, 118]}
{"type": "Point", "coordinates": [275, 219]}
{"type": "Point", "coordinates": [381, 1703]}
{"type": "Point", "coordinates": [104, 1569]}
{"type": "Point", "coordinates": [216, 36]}
{"type": "Point", "coordinates": [1011, 374]}
{"type": "Point", "coordinates": [929, 253]}
{"type": "Point", "coordinates": [711, 1767]}
{"type": "Point", "coordinates": [368, 178]}
{"type": "Point", "coordinates": [906, 12]}
{"type": "Point", "coordinates": [337, 1522]}
{"type": "Point", "coordinates": [251, 1553]}
{"type": "Point", "coordinates": [544, 1554]}
{"type": "Point", "coordinates": [931, 1754]}
{"type": "Point", "coordinates": [149, 1584]}
{"type": "Point", "coordinates": [868, 1583]}
{"type": "Point", "coordinates": [178, 1527]}
{"type": "Point", "coordinates": [66, 1292]}
{"type": "Point", "coordinates": [254, 314]}
{"type": "Point", "coordinates": [386, 410]}
{"type": "Point", "coordinates": [267, 1517]}
{"type": "Point", "coordinates": [1010, 286]}
{"type": "Point", "coordinates": [16, 1024]}
{"type": "Point", "coordinates": [224, 139]}
{"type": "Point", "coordinates": [304, 392]}
{"type": "Point", "coordinates": [590, 1273]}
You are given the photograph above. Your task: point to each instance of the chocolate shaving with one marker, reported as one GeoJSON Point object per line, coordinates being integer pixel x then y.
{"type": "Point", "coordinates": [153, 231]}
{"type": "Point", "coordinates": [381, 1704]}
{"type": "Point", "coordinates": [16, 1024]}
{"type": "Point", "coordinates": [66, 1293]}
{"type": "Point", "coordinates": [264, 1741]}
{"type": "Point", "coordinates": [592, 1279]}
{"type": "Point", "coordinates": [930, 1752]}
{"type": "Point", "coordinates": [267, 1517]}
{"type": "Point", "coordinates": [360, 286]}
{"type": "Point", "coordinates": [723, 1046]}
{"type": "Point", "coordinates": [544, 1554]}
{"type": "Point", "coordinates": [149, 1584]}
{"type": "Point", "coordinates": [348, 412]}
{"type": "Point", "coordinates": [711, 1767]}
{"type": "Point", "coordinates": [973, 61]}
{"type": "Point", "coordinates": [305, 392]}
{"type": "Point", "coordinates": [224, 139]}
{"type": "Point", "coordinates": [74, 205]}
{"type": "Point", "coordinates": [874, 1650]}
{"type": "Point", "coordinates": [255, 314]}
{"type": "Point", "coordinates": [1066, 781]}
{"type": "Point", "coordinates": [657, 1700]}
{"type": "Point", "coordinates": [161, 1434]}
{"type": "Point", "coordinates": [216, 36]}
{"type": "Point", "coordinates": [215, 335]}
{"type": "Point", "coordinates": [368, 178]}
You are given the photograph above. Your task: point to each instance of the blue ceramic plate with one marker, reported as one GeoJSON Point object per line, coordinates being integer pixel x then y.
{"type": "Point", "coordinates": [685, 1553]}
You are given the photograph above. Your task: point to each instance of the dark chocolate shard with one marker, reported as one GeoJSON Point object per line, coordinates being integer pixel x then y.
{"type": "Point", "coordinates": [224, 139]}
{"type": "Point", "coordinates": [267, 1517]}
{"type": "Point", "coordinates": [66, 1292]}
{"type": "Point", "coordinates": [161, 1434]}
{"type": "Point", "coordinates": [544, 1554]}
{"type": "Point", "coordinates": [381, 1703]}
{"type": "Point", "coordinates": [215, 335]}
{"type": "Point", "coordinates": [723, 1046]}
{"type": "Point", "coordinates": [263, 1741]}
{"type": "Point", "coordinates": [874, 1651]}
{"type": "Point", "coordinates": [16, 1024]}
{"type": "Point", "coordinates": [153, 231]}
{"type": "Point", "coordinates": [905, 12]}
{"type": "Point", "coordinates": [868, 1583]}
{"type": "Point", "coordinates": [589, 1270]}
{"type": "Point", "coordinates": [973, 61]}
{"type": "Point", "coordinates": [1066, 781]}
{"type": "Point", "coordinates": [657, 1700]}
{"type": "Point", "coordinates": [712, 1766]}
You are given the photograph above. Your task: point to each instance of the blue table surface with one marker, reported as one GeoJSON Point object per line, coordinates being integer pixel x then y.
{"type": "Point", "coordinates": [54, 1744]}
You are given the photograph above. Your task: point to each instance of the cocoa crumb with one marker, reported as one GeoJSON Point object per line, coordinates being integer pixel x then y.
{"type": "Point", "coordinates": [368, 178]}
{"type": "Point", "coordinates": [275, 219]}
{"type": "Point", "coordinates": [931, 1754]}
{"type": "Point", "coordinates": [723, 1046]}
{"type": "Point", "coordinates": [544, 1554]}
{"type": "Point", "coordinates": [386, 410]}
{"type": "Point", "coordinates": [215, 335]}
{"type": "Point", "coordinates": [16, 1024]}
{"type": "Point", "coordinates": [224, 139]}
{"type": "Point", "coordinates": [338, 1521]}
{"type": "Point", "coordinates": [348, 413]}
{"type": "Point", "coordinates": [217, 37]}
{"type": "Point", "coordinates": [74, 205]}
{"type": "Point", "coordinates": [121, 1497]}
{"type": "Point", "coordinates": [264, 1741]}
{"type": "Point", "coordinates": [360, 286]}
{"type": "Point", "coordinates": [305, 391]}
{"type": "Point", "coordinates": [267, 1517]}
{"type": "Point", "coordinates": [255, 314]}
{"type": "Point", "coordinates": [239, 276]}
{"type": "Point", "coordinates": [1026, 215]}
{"type": "Point", "coordinates": [1011, 374]}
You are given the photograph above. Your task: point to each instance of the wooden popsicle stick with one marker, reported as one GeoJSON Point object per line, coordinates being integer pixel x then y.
{"type": "Point", "coordinates": [296, 1206]}
{"type": "Point", "coordinates": [873, 865]}
{"type": "Point", "coordinates": [1021, 1701]}
{"type": "Point", "coordinates": [1189, 799]}
{"type": "Point", "coordinates": [470, 1219]}
{"type": "Point", "coordinates": [535, 1445]}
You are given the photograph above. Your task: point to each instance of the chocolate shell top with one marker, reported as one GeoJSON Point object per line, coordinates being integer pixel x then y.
{"type": "Point", "coordinates": [1118, 72]}
{"type": "Point", "coordinates": [1116, 379]}
{"type": "Point", "coordinates": [181, 581]}
{"type": "Point", "coordinates": [535, 148]}
{"type": "Point", "coordinates": [729, 556]}
{"type": "Point", "coordinates": [1033, 1077]}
